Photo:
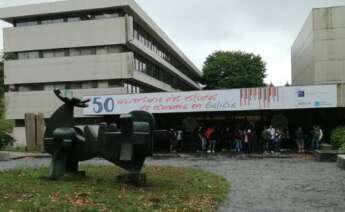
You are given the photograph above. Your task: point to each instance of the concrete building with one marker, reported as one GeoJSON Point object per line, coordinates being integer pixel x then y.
{"type": "Point", "coordinates": [318, 54]}
{"type": "Point", "coordinates": [90, 47]}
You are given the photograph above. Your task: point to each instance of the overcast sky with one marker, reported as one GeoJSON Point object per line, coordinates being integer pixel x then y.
{"type": "Point", "coordinates": [264, 27]}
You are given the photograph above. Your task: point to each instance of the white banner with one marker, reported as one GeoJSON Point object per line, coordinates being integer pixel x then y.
{"type": "Point", "coordinates": [265, 98]}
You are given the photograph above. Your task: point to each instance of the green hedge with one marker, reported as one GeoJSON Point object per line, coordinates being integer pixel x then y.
{"type": "Point", "coordinates": [342, 148]}
{"type": "Point", "coordinates": [338, 137]}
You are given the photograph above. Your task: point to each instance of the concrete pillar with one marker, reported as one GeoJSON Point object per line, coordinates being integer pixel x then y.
{"type": "Point", "coordinates": [39, 131]}
{"type": "Point", "coordinates": [34, 131]}
{"type": "Point", "coordinates": [30, 131]}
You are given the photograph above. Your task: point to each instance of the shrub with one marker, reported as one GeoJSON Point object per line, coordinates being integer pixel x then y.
{"type": "Point", "coordinates": [342, 148]}
{"type": "Point", "coordinates": [5, 140]}
{"type": "Point", "coordinates": [338, 137]}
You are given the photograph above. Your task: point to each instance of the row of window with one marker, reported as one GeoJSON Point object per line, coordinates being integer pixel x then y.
{"type": "Point", "coordinates": [66, 52]}
{"type": "Point", "coordinates": [153, 70]}
{"type": "Point", "coordinates": [144, 37]}
{"type": "Point", "coordinates": [52, 86]}
{"type": "Point", "coordinates": [130, 87]}
{"type": "Point", "coordinates": [77, 121]}
{"type": "Point", "coordinates": [69, 18]}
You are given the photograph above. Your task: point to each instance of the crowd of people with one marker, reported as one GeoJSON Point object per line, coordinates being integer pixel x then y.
{"type": "Point", "coordinates": [248, 140]}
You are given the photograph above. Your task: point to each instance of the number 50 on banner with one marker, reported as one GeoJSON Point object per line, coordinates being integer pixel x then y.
{"type": "Point", "coordinates": [102, 105]}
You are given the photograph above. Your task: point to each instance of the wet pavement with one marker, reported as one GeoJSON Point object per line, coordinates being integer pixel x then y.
{"type": "Point", "coordinates": [263, 185]}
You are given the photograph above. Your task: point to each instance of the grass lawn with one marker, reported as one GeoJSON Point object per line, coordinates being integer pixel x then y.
{"type": "Point", "coordinates": [15, 149]}
{"type": "Point", "coordinates": [168, 189]}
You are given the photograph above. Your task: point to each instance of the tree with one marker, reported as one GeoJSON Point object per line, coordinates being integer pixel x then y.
{"type": "Point", "coordinates": [233, 69]}
{"type": "Point", "coordinates": [2, 84]}
{"type": "Point", "coordinates": [5, 126]}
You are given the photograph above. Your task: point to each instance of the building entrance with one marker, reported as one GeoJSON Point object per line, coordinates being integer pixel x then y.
{"type": "Point", "coordinates": [226, 124]}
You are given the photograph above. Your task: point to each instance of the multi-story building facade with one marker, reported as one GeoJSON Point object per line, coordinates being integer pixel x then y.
{"type": "Point", "coordinates": [318, 54]}
{"type": "Point", "coordinates": [91, 47]}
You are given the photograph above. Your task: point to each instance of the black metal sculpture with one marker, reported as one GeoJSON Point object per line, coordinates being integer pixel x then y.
{"type": "Point", "coordinates": [126, 146]}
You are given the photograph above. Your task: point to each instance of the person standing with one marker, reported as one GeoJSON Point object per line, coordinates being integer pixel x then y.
{"type": "Point", "coordinates": [179, 138]}
{"type": "Point", "coordinates": [172, 140]}
{"type": "Point", "coordinates": [300, 139]}
{"type": "Point", "coordinates": [213, 141]}
{"type": "Point", "coordinates": [203, 139]}
{"type": "Point", "coordinates": [207, 135]}
{"type": "Point", "coordinates": [285, 139]}
{"type": "Point", "coordinates": [272, 138]}
{"type": "Point", "coordinates": [277, 140]}
{"type": "Point", "coordinates": [238, 138]}
{"type": "Point", "coordinates": [317, 137]}
{"type": "Point", "coordinates": [228, 139]}
{"type": "Point", "coordinates": [320, 138]}
{"type": "Point", "coordinates": [265, 137]}
{"type": "Point", "coordinates": [247, 135]}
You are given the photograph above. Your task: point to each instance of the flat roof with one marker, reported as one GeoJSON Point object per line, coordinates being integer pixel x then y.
{"type": "Point", "coordinates": [8, 14]}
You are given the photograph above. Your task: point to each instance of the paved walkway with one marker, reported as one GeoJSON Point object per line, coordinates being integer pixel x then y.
{"type": "Point", "coordinates": [260, 185]}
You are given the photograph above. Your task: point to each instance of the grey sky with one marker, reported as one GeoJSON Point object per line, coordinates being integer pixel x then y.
{"type": "Point", "coordinates": [265, 27]}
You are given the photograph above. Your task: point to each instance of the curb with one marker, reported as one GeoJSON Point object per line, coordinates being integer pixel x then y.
{"type": "Point", "coordinates": [8, 156]}
{"type": "Point", "coordinates": [202, 156]}
{"type": "Point", "coordinates": [341, 161]}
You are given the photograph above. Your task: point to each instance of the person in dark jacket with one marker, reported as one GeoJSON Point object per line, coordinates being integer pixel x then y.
{"type": "Point", "coordinates": [213, 141]}
{"type": "Point", "coordinates": [247, 138]}
{"type": "Point", "coordinates": [300, 139]}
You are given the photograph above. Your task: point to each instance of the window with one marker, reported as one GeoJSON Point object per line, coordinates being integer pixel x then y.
{"type": "Point", "coordinates": [86, 51]}
{"type": "Point", "coordinates": [22, 55]}
{"type": "Point", "coordinates": [115, 84]}
{"type": "Point", "coordinates": [10, 56]}
{"type": "Point", "coordinates": [64, 52]}
{"type": "Point", "coordinates": [73, 85]}
{"type": "Point", "coordinates": [20, 123]}
{"type": "Point", "coordinates": [87, 17]}
{"type": "Point", "coordinates": [13, 88]}
{"type": "Point", "coordinates": [57, 20]}
{"type": "Point", "coordinates": [74, 52]}
{"type": "Point", "coordinates": [59, 53]}
{"type": "Point", "coordinates": [52, 20]}
{"type": "Point", "coordinates": [115, 49]}
{"type": "Point", "coordinates": [73, 19]}
{"type": "Point", "coordinates": [135, 32]}
{"type": "Point", "coordinates": [137, 64]}
{"type": "Point", "coordinates": [94, 84]}
{"type": "Point", "coordinates": [28, 55]}
{"type": "Point", "coordinates": [141, 66]}
{"type": "Point", "coordinates": [149, 71]}
{"type": "Point", "coordinates": [48, 54]}
{"type": "Point", "coordinates": [101, 50]}
{"type": "Point", "coordinates": [60, 86]}
{"type": "Point", "coordinates": [48, 87]}
{"type": "Point", "coordinates": [144, 67]}
{"type": "Point", "coordinates": [106, 15]}
{"type": "Point", "coordinates": [89, 85]}
{"type": "Point", "coordinates": [54, 53]}
{"type": "Point", "coordinates": [36, 87]}
{"type": "Point", "coordinates": [26, 23]}
{"type": "Point", "coordinates": [112, 15]}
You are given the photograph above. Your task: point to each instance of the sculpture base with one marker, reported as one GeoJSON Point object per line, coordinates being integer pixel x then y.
{"type": "Point", "coordinates": [133, 179]}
